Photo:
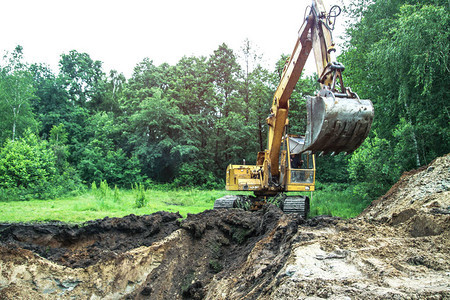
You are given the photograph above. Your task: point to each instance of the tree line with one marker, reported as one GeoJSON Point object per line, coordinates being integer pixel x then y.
{"type": "Point", "coordinates": [183, 124]}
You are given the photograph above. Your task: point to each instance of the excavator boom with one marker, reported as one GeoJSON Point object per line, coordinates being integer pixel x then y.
{"type": "Point", "coordinates": [277, 119]}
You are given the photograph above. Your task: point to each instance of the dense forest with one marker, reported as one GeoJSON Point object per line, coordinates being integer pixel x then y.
{"type": "Point", "coordinates": [183, 124]}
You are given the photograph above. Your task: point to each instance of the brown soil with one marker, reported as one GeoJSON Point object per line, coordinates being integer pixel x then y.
{"type": "Point", "coordinates": [397, 249]}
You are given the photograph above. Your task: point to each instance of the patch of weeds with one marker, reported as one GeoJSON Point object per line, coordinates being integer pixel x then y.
{"type": "Point", "coordinates": [215, 265]}
{"type": "Point", "coordinates": [216, 253]}
{"type": "Point", "coordinates": [216, 249]}
{"type": "Point", "coordinates": [239, 234]}
{"type": "Point", "coordinates": [103, 191]}
{"type": "Point", "coordinates": [187, 281]}
{"type": "Point", "coordinates": [101, 194]}
{"type": "Point", "coordinates": [116, 195]}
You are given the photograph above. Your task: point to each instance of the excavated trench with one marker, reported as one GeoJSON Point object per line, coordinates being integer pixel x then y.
{"type": "Point", "coordinates": [190, 252]}
{"type": "Point", "coordinates": [397, 249]}
{"type": "Point", "coordinates": [80, 246]}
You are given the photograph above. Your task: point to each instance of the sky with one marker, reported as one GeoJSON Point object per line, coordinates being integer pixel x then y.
{"type": "Point", "coordinates": [123, 33]}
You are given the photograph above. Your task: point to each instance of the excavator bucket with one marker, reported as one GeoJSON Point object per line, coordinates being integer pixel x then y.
{"type": "Point", "coordinates": [336, 124]}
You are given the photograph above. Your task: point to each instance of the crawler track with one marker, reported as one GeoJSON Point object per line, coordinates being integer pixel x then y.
{"type": "Point", "coordinates": [298, 205]}
{"type": "Point", "coordinates": [289, 205]}
{"type": "Point", "coordinates": [227, 201]}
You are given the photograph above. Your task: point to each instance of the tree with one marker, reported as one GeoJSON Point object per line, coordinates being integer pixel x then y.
{"type": "Point", "coordinates": [229, 121]}
{"type": "Point", "coordinates": [257, 90]}
{"type": "Point", "coordinates": [51, 104]}
{"type": "Point", "coordinates": [16, 95]}
{"type": "Point", "coordinates": [81, 76]}
{"type": "Point", "coordinates": [251, 61]}
{"type": "Point", "coordinates": [402, 70]}
{"type": "Point", "coordinates": [192, 91]}
{"type": "Point", "coordinates": [98, 158]}
{"type": "Point", "coordinates": [159, 136]}
{"type": "Point", "coordinates": [115, 84]}
{"type": "Point", "coordinates": [109, 92]}
{"type": "Point", "coordinates": [261, 90]}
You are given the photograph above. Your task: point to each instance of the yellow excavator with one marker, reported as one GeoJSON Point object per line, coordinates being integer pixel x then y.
{"type": "Point", "coordinates": [337, 121]}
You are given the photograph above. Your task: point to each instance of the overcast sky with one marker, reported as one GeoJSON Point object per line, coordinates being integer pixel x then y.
{"type": "Point", "coordinates": [122, 33]}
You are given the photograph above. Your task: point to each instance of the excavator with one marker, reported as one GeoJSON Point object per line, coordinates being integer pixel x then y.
{"type": "Point", "coordinates": [337, 121]}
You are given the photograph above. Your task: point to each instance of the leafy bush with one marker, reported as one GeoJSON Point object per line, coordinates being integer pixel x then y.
{"type": "Point", "coordinates": [215, 265]}
{"type": "Point", "coordinates": [115, 167]}
{"type": "Point", "coordinates": [194, 174]}
{"type": "Point", "coordinates": [373, 167]}
{"type": "Point", "coordinates": [29, 169]}
{"type": "Point", "coordinates": [11, 194]}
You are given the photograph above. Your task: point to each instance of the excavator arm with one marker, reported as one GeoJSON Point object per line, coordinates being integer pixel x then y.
{"type": "Point", "coordinates": [337, 120]}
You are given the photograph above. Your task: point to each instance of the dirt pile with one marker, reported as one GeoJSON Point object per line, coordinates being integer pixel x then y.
{"type": "Point", "coordinates": [398, 249]}
{"type": "Point", "coordinates": [419, 201]}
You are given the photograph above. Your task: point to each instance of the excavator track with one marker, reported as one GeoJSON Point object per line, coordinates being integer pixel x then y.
{"type": "Point", "coordinates": [227, 201]}
{"type": "Point", "coordinates": [289, 205]}
{"type": "Point", "coordinates": [297, 205]}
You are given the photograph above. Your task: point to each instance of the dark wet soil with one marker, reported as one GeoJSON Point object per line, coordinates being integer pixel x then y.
{"type": "Point", "coordinates": [86, 244]}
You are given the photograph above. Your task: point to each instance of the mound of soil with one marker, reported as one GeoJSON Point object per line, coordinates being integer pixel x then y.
{"type": "Point", "coordinates": [419, 201]}
{"type": "Point", "coordinates": [397, 249]}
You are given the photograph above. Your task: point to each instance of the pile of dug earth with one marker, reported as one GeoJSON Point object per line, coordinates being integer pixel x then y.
{"type": "Point", "coordinates": [397, 249]}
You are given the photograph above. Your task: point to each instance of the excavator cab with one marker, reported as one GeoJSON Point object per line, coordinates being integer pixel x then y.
{"type": "Point", "coordinates": [301, 166]}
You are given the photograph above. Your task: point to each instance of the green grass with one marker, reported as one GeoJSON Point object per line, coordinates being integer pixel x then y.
{"type": "Point", "coordinates": [90, 205]}
{"type": "Point", "coordinates": [338, 200]}
{"type": "Point", "coordinates": [332, 199]}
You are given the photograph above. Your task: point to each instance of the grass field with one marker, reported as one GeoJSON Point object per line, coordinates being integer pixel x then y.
{"type": "Point", "coordinates": [103, 202]}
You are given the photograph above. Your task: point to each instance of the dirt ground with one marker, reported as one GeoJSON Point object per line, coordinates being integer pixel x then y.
{"type": "Point", "coordinates": [398, 248]}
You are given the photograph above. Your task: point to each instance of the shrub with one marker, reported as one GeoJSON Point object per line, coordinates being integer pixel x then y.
{"type": "Point", "coordinates": [373, 167]}
{"type": "Point", "coordinates": [28, 166]}
{"type": "Point", "coordinates": [193, 174]}
{"type": "Point", "coordinates": [140, 198]}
